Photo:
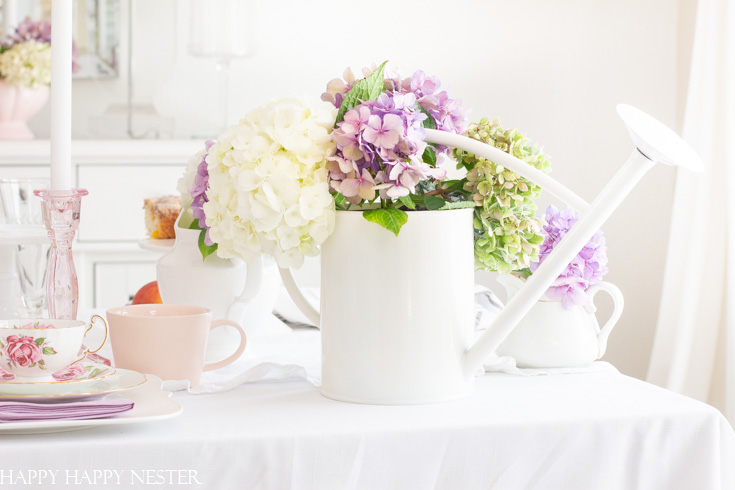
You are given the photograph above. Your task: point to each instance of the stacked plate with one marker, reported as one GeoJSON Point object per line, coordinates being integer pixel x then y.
{"type": "Point", "coordinates": [95, 381]}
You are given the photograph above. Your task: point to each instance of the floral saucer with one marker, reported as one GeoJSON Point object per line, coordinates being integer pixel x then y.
{"type": "Point", "coordinates": [105, 381]}
{"type": "Point", "coordinates": [79, 371]}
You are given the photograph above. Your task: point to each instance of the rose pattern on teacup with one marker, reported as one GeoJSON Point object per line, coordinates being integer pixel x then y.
{"type": "Point", "coordinates": [26, 351]}
{"type": "Point", "coordinates": [6, 376]}
{"type": "Point", "coordinates": [36, 325]}
{"type": "Point", "coordinates": [96, 358]}
{"type": "Point", "coordinates": [74, 371]}
{"type": "Point", "coordinates": [79, 371]}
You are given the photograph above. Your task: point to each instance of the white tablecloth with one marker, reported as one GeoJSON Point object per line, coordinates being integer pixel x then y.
{"type": "Point", "coordinates": [588, 431]}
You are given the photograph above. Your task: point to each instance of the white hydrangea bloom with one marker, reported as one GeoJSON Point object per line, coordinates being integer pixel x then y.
{"type": "Point", "coordinates": [268, 190]}
{"type": "Point", "coordinates": [27, 64]}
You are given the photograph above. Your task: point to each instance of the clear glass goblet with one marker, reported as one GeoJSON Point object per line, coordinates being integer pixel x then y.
{"type": "Point", "coordinates": [23, 210]}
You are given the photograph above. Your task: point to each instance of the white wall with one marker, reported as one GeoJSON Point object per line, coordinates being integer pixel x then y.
{"type": "Point", "coordinates": [555, 69]}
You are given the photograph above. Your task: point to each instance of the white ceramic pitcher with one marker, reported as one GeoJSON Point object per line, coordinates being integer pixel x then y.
{"type": "Point", "coordinates": [232, 289]}
{"type": "Point", "coordinates": [551, 336]}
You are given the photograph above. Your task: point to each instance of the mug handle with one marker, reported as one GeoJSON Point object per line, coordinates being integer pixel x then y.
{"type": "Point", "coordinates": [228, 360]}
{"type": "Point", "coordinates": [91, 324]}
{"type": "Point", "coordinates": [618, 303]}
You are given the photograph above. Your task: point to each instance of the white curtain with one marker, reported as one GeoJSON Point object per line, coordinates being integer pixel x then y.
{"type": "Point", "coordinates": [694, 346]}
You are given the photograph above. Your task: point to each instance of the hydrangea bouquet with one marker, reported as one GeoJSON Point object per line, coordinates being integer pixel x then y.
{"type": "Point", "coordinates": [272, 183]}
{"type": "Point", "coordinates": [25, 55]}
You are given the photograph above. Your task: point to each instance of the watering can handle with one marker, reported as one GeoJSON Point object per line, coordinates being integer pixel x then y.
{"type": "Point", "coordinates": [297, 296]}
{"type": "Point", "coordinates": [618, 303]}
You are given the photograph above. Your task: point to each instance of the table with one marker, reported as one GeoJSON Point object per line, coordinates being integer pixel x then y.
{"type": "Point", "coordinates": [580, 431]}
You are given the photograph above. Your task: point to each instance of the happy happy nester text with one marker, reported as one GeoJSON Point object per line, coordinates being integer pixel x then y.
{"type": "Point", "coordinates": [99, 477]}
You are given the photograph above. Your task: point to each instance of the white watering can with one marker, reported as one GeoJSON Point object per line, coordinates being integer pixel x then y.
{"type": "Point", "coordinates": [396, 321]}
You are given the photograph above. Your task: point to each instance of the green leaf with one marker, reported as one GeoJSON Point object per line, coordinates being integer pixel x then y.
{"type": "Point", "coordinates": [458, 205]}
{"type": "Point", "coordinates": [40, 340]}
{"type": "Point", "coordinates": [407, 201]}
{"type": "Point", "coordinates": [429, 155]}
{"type": "Point", "coordinates": [341, 202]}
{"type": "Point", "coordinates": [391, 219]}
{"type": "Point", "coordinates": [428, 123]}
{"type": "Point", "coordinates": [194, 225]}
{"type": "Point", "coordinates": [434, 202]}
{"type": "Point", "coordinates": [49, 351]}
{"type": "Point", "coordinates": [206, 250]}
{"type": "Point", "coordinates": [375, 82]}
{"type": "Point", "coordinates": [454, 185]}
{"type": "Point", "coordinates": [96, 372]}
{"type": "Point", "coordinates": [366, 89]}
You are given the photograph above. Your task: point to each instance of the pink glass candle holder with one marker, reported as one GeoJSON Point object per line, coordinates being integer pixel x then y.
{"type": "Point", "coordinates": [61, 217]}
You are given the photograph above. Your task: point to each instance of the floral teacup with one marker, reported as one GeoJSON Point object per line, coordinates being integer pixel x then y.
{"type": "Point", "coordinates": [33, 348]}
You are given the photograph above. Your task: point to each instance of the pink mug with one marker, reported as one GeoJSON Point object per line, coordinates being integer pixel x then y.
{"type": "Point", "coordinates": [166, 340]}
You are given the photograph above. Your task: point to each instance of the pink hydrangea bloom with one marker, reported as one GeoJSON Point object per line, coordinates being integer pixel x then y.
{"type": "Point", "coordinates": [380, 143]}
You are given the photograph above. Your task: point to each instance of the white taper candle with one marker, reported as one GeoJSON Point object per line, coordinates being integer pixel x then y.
{"type": "Point", "coordinates": [61, 55]}
{"type": "Point", "coordinates": [9, 16]}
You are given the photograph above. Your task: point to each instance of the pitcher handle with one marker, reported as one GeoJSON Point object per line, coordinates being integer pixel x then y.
{"type": "Point", "coordinates": [253, 283]}
{"type": "Point", "coordinates": [618, 303]}
{"type": "Point", "coordinates": [297, 296]}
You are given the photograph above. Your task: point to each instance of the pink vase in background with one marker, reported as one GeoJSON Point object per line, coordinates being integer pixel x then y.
{"type": "Point", "coordinates": [17, 105]}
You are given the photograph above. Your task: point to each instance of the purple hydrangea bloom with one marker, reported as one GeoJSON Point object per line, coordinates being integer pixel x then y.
{"type": "Point", "coordinates": [39, 31]}
{"type": "Point", "coordinates": [585, 270]}
{"type": "Point", "coordinates": [198, 194]}
{"type": "Point", "coordinates": [33, 31]}
{"type": "Point", "coordinates": [386, 136]}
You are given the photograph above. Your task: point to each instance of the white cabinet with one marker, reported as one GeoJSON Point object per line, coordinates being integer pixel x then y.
{"type": "Point", "coordinates": [113, 210]}
{"type": "Point", "coordinates": [115, 283]}
{"type": "Point", "coordinates": [118, 174]}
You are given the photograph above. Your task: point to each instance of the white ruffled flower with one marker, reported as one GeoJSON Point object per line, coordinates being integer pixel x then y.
{"type": "Point", "coordinates": [27, 64]}
{"type": "Point", "coordinates": [268, 190]}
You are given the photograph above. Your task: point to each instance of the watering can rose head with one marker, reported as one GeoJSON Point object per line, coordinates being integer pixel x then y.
{"type": "Point", "coordinates": [586, 269]}
{"type": "Point", "coordinates": [25, 55]}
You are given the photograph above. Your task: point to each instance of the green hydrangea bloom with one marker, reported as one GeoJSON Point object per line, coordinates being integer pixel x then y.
{"type": "Point", "coordinates": [507, 232]}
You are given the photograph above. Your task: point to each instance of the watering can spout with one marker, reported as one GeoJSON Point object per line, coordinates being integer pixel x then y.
{"type": "Point", "coordinates": [654, 143]}
{"type": "Point", "coordinates": [589, 222]}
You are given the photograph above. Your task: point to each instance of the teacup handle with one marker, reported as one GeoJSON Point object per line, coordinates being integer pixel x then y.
{"type": "Point", "coordinates": [91, 324]}
{"type": "Point", "coordinates": [240, 349]}
{"type": "Point", "coordinates": [618, 303]}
